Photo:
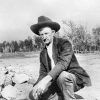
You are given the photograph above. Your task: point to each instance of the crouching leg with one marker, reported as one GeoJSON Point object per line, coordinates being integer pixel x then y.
{"type": "Point", "coordinates": [66, 82]}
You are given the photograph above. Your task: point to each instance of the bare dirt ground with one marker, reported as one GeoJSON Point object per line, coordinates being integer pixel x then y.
{"type": "Point", "coordinates": [91, 63]}
{"type": "Point", "coordinates": [30, 66]}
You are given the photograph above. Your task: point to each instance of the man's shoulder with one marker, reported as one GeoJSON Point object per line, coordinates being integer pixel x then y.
{"type": "Point", "coordinates": [61, 40]}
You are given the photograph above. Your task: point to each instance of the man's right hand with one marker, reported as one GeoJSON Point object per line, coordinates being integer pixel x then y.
{"type": "Point", "coordinates": [41, 86]}
{"type": "Point", "coordinates": [32, 96]}
{"type": "Point", "coordinates": [37, 91]}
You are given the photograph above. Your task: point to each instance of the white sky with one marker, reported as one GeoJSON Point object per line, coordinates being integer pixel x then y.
{"type": "Point", "coordinates": [16, 16]}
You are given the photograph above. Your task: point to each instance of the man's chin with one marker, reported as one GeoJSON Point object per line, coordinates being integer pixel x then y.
{"type": "Point", "coordinates": [47, 43]}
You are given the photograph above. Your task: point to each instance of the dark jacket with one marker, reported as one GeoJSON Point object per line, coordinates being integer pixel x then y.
{"type": "Point", "coordinates": [64, 60]}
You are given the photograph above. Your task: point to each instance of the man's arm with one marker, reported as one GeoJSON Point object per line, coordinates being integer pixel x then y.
{"type": "Point", "coordinates": [65, 55]}
{"type": "Point", "coordinates": [44, 78]}
{"type": "Point", "coordinates": [42, 70]}
{"type": "Point", "coordinates": [42, 82]}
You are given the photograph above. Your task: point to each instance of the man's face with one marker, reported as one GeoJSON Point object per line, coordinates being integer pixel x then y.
{"type": "Point", "coordinates": [47, 35]}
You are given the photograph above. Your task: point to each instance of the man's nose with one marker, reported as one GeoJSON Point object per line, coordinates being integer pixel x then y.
{"type": "Point", "coordinates": [44, 37]}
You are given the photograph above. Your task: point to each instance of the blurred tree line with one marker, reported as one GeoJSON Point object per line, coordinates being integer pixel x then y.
{"type": "Point", "coordinates": [30, 44]}
{"type": "Point", "coordinates": [82, 40]}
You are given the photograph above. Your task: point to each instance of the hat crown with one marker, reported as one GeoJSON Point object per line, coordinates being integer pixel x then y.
{"type": "Point", "coordinates": [42, 19]}
{"type": "Point", "coordinates": [44, 22]}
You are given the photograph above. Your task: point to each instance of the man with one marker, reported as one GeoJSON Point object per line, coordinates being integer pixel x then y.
{"type": "Point", "coordinates": [60, 73]}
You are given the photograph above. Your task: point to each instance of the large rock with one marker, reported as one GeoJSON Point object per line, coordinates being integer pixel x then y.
{"type": "Point", "coordinates": [20, 78]}
{"type": "Point", "coordinates": [9, 92]}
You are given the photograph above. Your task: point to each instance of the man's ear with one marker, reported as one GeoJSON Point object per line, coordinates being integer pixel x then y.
{"type": "Point", "coordinates": [53, 31]}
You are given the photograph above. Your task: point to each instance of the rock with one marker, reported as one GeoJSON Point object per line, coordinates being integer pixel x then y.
{"type": "Point", "coordinates": [9, 92]}
{"type": "Point", "coordinates": [20, 78]}
{"type": "Point", "coordinates": [24, 90]}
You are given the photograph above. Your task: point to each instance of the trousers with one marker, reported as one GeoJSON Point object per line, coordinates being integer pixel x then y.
{"type": "Point", "coordinates": [61, 89]}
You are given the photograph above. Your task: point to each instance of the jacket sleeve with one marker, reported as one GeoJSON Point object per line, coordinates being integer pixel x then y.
{"type": "Point", "coordinates": [42, 71]}
{"type": "Point", "coordinates": [64, 58]}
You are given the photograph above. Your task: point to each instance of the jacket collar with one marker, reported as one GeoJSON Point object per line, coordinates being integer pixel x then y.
{"type": "Point", "coordinates": [54, 49]}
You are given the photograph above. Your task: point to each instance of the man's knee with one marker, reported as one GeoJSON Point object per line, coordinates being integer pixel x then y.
{"type": "Point", "coordinates": [66, 77]}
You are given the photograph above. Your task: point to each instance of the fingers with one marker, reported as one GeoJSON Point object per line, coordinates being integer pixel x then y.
{"type": "Point", "coordinates": [36, 96]}
{"type": "Point", "coordinates": [37, 92]}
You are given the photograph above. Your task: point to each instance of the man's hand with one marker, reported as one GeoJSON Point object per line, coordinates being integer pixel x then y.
{"type": "Point", "coordinates": [41, 86]}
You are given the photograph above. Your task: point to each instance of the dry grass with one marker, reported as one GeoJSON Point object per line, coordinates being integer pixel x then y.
{"type": "Point", "coordinates": [29, 64]}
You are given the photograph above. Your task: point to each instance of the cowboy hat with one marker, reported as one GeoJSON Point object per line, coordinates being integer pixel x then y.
{"type": "Point", "coordinates": [43, 22]}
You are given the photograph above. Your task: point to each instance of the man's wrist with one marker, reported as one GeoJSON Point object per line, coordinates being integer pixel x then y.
{"type": "Point", "coordinates": [47, 79]}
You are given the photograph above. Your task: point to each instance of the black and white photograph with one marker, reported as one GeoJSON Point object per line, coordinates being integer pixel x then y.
{"type": "Point", "coordinates": [49, 50]}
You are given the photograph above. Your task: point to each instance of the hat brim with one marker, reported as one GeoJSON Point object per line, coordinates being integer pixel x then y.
{"type": "Point", "coordinates": [36, 27]}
